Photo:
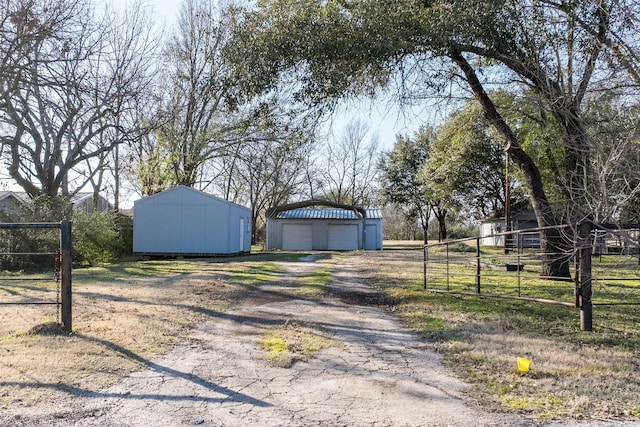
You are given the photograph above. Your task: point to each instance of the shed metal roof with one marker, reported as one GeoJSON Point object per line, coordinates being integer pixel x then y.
{"type": "Point", "coordinates": [327, 213]}
{"type": "Point", "coordinates": [183, 188]}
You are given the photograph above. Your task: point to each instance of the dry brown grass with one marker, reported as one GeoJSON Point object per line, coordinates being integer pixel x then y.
{"type": "Point", "coordinates": [403, 244]}
{"type": "Point", "coordinates": [121, 321]}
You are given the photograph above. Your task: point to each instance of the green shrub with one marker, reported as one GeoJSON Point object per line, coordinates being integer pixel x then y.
{"type": "Point", "coordinates": [461, 247]}
{"type": "Point", "coordinates": [96, 237]}
{"type": "Point", "coordinates": [462, 231]}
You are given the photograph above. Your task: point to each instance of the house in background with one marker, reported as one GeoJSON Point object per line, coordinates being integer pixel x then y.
{"type": "Point", "coordinates": [321, 225]}
{"type": "Point", "coordinates": [522, 219]}
{"type": "Point", "coordinates": [13, 203]}
{"type": "Point", "coordinates": [84, 202]}
{"type": "Point", "coordinates": [183, 221]}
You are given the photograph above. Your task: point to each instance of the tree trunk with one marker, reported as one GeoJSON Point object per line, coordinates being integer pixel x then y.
{"type": "Point", "coordinates": [555, 256]}
{"type": "Point", "coordinates": [441, 216]}
{"type": "Point", "coordinates": [424, 222]}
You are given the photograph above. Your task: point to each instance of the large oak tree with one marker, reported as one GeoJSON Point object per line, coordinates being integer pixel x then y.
{"type": "Point", "coordinates": [562, 50]}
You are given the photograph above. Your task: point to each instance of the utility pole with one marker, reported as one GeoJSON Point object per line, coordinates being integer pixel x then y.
{"type": "Point", "coordinates": [507, 213]}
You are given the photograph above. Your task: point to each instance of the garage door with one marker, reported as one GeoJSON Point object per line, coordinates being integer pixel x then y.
{"type": "Point", "coordinates": [297, 237]}
{"type": "Point", "coordinates": [343, 237]}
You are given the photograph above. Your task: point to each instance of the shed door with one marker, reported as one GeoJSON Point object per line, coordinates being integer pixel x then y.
{"type": "Point", "coordinates": [297, 237]}
{"type": "Point", "coordinates": [241, 235]}
{"type": "Point", "coordinates": [343, 237]}
{"type": "Point", "coordinates": [371, 237]}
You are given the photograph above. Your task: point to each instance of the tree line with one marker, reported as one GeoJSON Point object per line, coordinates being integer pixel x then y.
{"type": "Point", "coordinates": [559, 60]}
{"type": "Point", "coordinates": [99, 98]}
{"type": "Point", "coordinates": [232, 100]}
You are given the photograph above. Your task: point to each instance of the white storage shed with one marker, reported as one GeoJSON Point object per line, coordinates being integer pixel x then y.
{"type": "Point", "coordinates": [183, 221]}
{"type": "Point", "coordinates": [321, 225]}
{"type": "Point", "coordinates": [523, 219]}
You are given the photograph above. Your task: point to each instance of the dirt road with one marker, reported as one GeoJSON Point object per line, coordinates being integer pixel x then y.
{"type": "Point", "coordinates": [380, 375]}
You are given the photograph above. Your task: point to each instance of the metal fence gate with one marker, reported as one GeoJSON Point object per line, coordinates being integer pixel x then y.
{"type": "Point", "coordinates": [603, 255]}
{"type": "Point", "coordinates": [62, 275]}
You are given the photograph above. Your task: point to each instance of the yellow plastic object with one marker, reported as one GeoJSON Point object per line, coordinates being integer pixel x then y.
{"type": "Point", "coordinates": [523, 364]}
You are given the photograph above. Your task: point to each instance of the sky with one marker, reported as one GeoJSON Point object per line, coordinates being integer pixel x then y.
{"type": "Point", "coordinates": [384, 121]}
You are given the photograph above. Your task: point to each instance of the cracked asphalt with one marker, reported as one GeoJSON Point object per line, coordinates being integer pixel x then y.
{"type": "Point", "coordinates": [381, 375]}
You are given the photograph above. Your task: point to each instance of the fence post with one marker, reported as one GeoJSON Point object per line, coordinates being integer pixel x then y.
{"type": "Point", "coordinates": [586, 292]}
{"type": "Point", "coordinates": [425, 258]}
{"type": "Point", "coordinates": [448, 275]}
{"type": "Point", "coordinates": [65, 274]}
{"type": "Point", "coordinates": [478, 265]}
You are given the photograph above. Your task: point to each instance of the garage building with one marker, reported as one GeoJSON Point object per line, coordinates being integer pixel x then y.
{"type": "Point", "coordinates": [183, 221]}
{"type": "Point", "coordinates": [321, 225]}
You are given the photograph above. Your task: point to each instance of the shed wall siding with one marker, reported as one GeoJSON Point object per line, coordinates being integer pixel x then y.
{"type": "Point", "coordinates": [186, 221]}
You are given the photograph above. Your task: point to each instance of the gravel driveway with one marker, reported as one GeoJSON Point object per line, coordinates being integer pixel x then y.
{"type": "Point", "coordinates": [381, 375]}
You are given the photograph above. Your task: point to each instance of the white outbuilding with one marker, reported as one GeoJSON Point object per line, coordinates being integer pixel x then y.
{"type": "Point", "coordinates": [183, 221]}
{"type": "Point", "coordinates": [322, 225]}
{"type": "Point", "coordinates": [492, 230]}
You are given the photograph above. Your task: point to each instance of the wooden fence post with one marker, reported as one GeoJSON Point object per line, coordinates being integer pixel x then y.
{"type": "Point", "coordinates": [65, 275]}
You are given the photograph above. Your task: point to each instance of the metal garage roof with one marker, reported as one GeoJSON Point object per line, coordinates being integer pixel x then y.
{"type": "Point", "coordinates": [327, 213]}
